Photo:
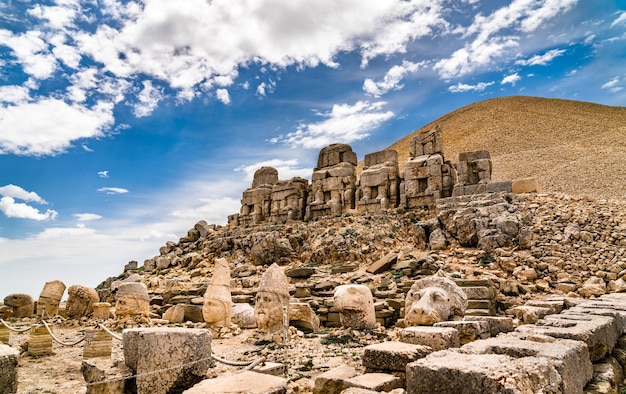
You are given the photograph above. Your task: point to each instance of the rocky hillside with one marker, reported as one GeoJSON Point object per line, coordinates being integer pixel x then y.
{"type": "Point", "coordinates": [572, 147]}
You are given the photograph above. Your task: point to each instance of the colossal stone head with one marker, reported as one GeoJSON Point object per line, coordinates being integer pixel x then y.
{"type": "Point", "coordinates": [356, 306]}
{"type": "Point", "coordinates": [80, 300]}
{"type": "Point", "coordinates": [217, 307]}
{"type": "Point", "coordinates": [433, 300]}
{"type": "Point", "coordinates": [271, 298]}
{"type": "Point", "coordinates": [132, 299]}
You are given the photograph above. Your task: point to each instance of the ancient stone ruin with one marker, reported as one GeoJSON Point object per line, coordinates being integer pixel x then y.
{"type": "Point", "coordinates": [335, 188]}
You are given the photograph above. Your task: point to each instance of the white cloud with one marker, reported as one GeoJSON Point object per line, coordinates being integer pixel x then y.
{"type": "Point", "coordinates": [14, 94]}
{"type": "Point", "coordinates": [49, 126]}
{"type": "Point", "coordinates": [87, 148]}
{"type": "Point", "coordinates": [462, 87]}
{"type": "Point", "coordinates": [14, 209]}
{"type": "Point", "coordinates": [32, 51]}
{"type": "Point", "coordinates": [223, 96]}
{"type": "Point", "coordinates": [620, 19]}
{"type": "Point", "coordinates": [113, 190]}
{"type": "Point", "coordinates": [613, 85]}
{"type": "Point", "coordinates": [541, 60]}
{"type": "Point", "coordinates": [103, 174]}
{"type": "Point", "coordinates": [496, 35]}
{"type": "Point", "coordinates": [265, 87]}
{"type": "Point", "coordinates": [18, 192]}
{"type": "Point", "coordinates": [149, 98]}
{"type": "Point", "coordinates": [343, 124]}
{"type": "Point", "coordinates": [85, 217]}
{"type": "Point", "coordinates": [287, 169]}
{"type": "Point", "coordinates": [391, 80]}
{"type": "Point", "coordinates": [512, 79]}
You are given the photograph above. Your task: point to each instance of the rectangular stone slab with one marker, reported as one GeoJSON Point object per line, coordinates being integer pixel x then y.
{"type": "Point", "coordinates": [392, 355]}
{"type": "Point", "coordinates": [245, 382]}
{"type": "Point", "coordinates": [451, 372]}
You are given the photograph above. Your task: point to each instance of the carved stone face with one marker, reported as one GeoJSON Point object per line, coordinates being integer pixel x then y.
{"type": "Point", "coordinates": [268, 311]}
{"type": "Point", "coordinates": [356, 306]}
{"type": "Point", "coordinates": [427, 307]}
{"type": "Point", "coordinates": [214, 312]}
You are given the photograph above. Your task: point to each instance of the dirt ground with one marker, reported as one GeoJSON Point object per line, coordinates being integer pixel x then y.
{"type": "Point", "coordinates": [305, 356]}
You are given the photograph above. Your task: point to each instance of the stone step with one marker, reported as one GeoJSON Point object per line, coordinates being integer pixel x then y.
{"type": "Point", "coordinates": [392, 355]}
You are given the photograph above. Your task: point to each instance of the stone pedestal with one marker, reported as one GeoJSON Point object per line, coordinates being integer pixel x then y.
{"type": "Point", "coordinates": [167, 359]}
{"type": "Point", "coordinates": [39, 341]}
{"type": "Point", "coordinates": [98, 343]}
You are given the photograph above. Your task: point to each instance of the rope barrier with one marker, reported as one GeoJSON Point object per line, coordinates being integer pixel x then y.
{"type": "Point", "coordinates": [58, 340]}
{"type": "Point", "coordinates": [237, 363]}
{"type": "Point", "coordinates": [110, 332]}
{"type": "Point", "coordinates": [13, 329]}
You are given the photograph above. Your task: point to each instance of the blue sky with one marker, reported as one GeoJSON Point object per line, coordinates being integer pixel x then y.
{"type": "Point", "coordinates": [123, 123]}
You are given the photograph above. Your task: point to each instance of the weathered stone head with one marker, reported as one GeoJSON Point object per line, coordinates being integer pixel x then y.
{"type": "Point", "coordinates": [132, 299]}
{"type": "Point", "coordinates": [432, 300]}
{"type": "Point", "coordinates": [22, 304]}
{"type": "Point", "coordinates": [50, 298]}
{"type": "Point", "coordinates": [356, 306]}
{"type": "Point", "coordinates": [80, 300]}
{"type": "Point", "coordinates": [271, 298]}
{"type": "Point", "coordinates": [217, 307]}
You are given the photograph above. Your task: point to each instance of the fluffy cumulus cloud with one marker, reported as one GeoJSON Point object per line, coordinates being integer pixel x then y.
{"type": "Point", "coordinates": [345, 123]}
{"type": "Point", "coordinates": [20, 210]}
{"type": "Point", "coordinates": [49, 126]}
{"type": "Point", "coordinates": [392, 80]}
{"type": "Point", "coordinates": [287, 169]}
{"type": "Point", "coordinates": [541, 60]}
{"type": "Point", "coordinates": [223, 96]}
{"type": "Point", "coordinates": [512, 79]}
{"type": "Point", "coordinates": [497, 35]}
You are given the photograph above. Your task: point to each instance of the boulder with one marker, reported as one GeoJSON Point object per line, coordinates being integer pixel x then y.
{"type": "Point", "coordinates": [80, 301]}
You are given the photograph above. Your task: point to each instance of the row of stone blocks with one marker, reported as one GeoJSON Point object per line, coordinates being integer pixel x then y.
{"type": "Point", "coordinates": [561, 353]}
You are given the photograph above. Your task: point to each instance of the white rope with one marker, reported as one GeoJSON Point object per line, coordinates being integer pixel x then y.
{"type": "Point", "coordinates": [58, 340]}
{"type": "Point", "coordinates": [237, 363]}
{"type": "Point", "coordinates": [13, 329]}
{"type": "Point", "coordinates": [119, 338]}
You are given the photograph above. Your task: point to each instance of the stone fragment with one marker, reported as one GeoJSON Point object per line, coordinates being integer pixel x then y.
{"type": "Point", "coordinates": [50, 297]}
{"type": "Point", "coordinates": [8, 369]}
{"type": "Point", "coordinates": [437, 338]}
{"type": "Point", "coordinates": [302, 315]}
{"type": "Point", "coordinates": [383, 264]}
{"type": "Point", "coordinates": [181, 356]}
{"type": "Point", "coordinates": [247, 382]}
{"type": "Point", "coordinates": [525, 185]}
{"type": "Point", "coordinates": [528, 314]}
{"type": "Point", "coordinates": [132, 278]}
{"type": "Point", "coordinates": [22, 304]}
{"type": "Point", "coordinates": [453, 372]}
{"type": "Point", "coordinates": [175, 314]}
{"type": "Point", "coordinates": [332, 381]}
{"type": "Point", "coordinates": [102, 378]}
{"type": "Point", "coordinates": [80, 301]}
{"type": "Point", "coordinates": [132, 299]}
{"type": "Point", "coordinates": [469, 331]}
{"type": "Point", "coordinates": [497, 324]}
{"type": "Point", "coordinates": [243, 316]}
{"type": "Point", "coordinates": [593, 286]}
{"type": "Point", "coordinates": [392, 355]}
{"type": "Point", "coordinates": [270, 368]}
{"type": "Point", "coordinates": [356, 306]}
{"type": "Point", "coordinates": [608, 375]}
{"type": "Point", "coordinates": [272, 300]}
{"type": "Point", "coordinates": [374, 381]}
{"type": "Point", "coordinates": [217, 307]}
{"type": "Point", "coordinates": [432, 300]}
{"type": "Point", "coordinates": [570, 358]}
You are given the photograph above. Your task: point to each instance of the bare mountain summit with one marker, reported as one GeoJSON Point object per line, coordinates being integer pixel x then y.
{"type": "Point", "coordinates": [572, 147]}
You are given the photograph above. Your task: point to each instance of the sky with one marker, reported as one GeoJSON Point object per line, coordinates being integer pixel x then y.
{"type": "Point", "coordinates": [124, 123]}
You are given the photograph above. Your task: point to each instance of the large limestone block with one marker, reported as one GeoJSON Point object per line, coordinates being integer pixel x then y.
{"type": "Point", "coordinates": [355, 304]}
{"type": "Point", "coordinates": [451, 372]}
{"type": "Point", "coordinates": [8, 369]}
{"type": "Point", "coordinates": [469, 331]}
{"type": "Point", "coordinates": [600, 333]}
{"type": "Point", "coordinates": [247, 382]}
{"type": "Point", "coordinates": [334, 154]}
{"type": "Point", "coordinates": [570, 358]}
{"type": "Point", "coordinates": [80, 301]}
{"type": "Point", "coordinates": [525, 185]}
{"type": "Point", "coordinates": [529, 314]}
{"type": "Point", "coordinates": [103, 378]}
{"type": "Point", "coordinates": [22, 304]}
{"type": "Point", "coordinates": [608, 375]}
{"type": "Point", "coordinates": [332, 381]}
{"type": "Point", "coordinates": [50, 297]}
{"type": "Point", "coordinates": [601, 309]}
{"type": "Point", "coordinates": [392, 355]}
{"type": "Point", "coordinates": [181, 356]}
{"type": "Point", "coordinates": [437, 338]}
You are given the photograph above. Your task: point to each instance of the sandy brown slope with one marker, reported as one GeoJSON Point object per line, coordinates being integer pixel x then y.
{"type": "Point", "coordinates": [572, 147]}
